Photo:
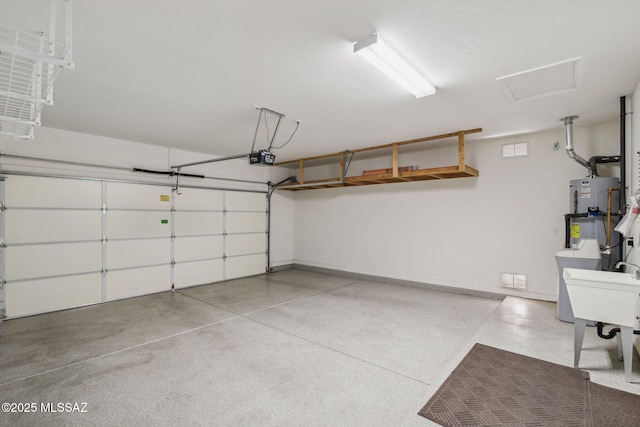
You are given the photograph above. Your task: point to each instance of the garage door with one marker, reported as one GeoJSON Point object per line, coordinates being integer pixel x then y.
{"type": "Point", "coordinates": [53, 244]}
{"type": "Point", "coordinates": [218, 235]}
{"type": "Point", "coordinates": [71, 242]}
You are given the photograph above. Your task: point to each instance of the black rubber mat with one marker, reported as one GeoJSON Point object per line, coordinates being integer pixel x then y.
{"type": "Point", "coordinates": [493, 387]}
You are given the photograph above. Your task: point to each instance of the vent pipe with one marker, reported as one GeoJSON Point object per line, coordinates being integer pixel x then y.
{"type": "Point", "coordinates": [623, 154]}
{"type": "Point", "coordinates": [568, 123]}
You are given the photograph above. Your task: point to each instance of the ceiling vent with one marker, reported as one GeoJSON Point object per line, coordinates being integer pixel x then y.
{"type": "Point", "coordinates": [546, 80]}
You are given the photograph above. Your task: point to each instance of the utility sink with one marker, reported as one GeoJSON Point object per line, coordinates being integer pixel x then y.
{"type": "Point", "coordinates": [604, 296]}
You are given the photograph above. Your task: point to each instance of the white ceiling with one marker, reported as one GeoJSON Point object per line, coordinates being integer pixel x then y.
{"type": "Point", "coordinates": [188, 73]}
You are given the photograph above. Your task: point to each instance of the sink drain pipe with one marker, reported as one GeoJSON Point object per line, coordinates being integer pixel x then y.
{"type": "Point", "coordinates": [611, 334]}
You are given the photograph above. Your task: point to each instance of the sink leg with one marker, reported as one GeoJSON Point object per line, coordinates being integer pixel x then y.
{"type": "Point", "coordinates": [619, 345]}
{"type": "Point", "coordinates": [627, 350]}
{"type": "Point", "coordinates": [579, 326]}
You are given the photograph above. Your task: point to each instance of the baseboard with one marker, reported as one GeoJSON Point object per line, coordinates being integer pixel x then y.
{"type": "Point", "coordinates": [282, 268]}
{"type": "Point", "coordinates": [430, 286]}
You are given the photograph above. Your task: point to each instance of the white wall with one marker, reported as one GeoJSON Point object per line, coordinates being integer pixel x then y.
{"type": "Point", "coordinates": [461, 232]}
{"type": "Point", "coordinates": [633, 178]}
{"type": "Point", "coordinates": [83, 148]}
{"type": "Point", "coordinates": [282, 217]}
{"type": "Point", "coordinates": [634, 141]}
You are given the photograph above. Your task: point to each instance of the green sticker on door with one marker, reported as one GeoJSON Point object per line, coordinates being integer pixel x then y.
{"type": "Point", "coordinates": [164, 221]}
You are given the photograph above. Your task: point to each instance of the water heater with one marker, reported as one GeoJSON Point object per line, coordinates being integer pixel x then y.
{"type": "Point", "coordinates": [590, 199]}
{"type": "Point", "coordinates": [592, 194]}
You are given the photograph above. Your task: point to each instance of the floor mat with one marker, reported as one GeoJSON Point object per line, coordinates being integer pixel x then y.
{"type": "Point", "coordinates": [493, 387]}
{"type": "Point", "coordinates": [612, 407]}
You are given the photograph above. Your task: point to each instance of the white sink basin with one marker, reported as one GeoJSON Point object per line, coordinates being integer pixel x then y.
{"type": "Point", "coordinates": [603, 296]}
{"type": "Point", "coordinates": [607, 297]}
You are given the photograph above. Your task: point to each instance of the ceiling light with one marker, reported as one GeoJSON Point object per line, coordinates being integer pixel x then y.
{"type": "Point", "coordinates": [382, 56]}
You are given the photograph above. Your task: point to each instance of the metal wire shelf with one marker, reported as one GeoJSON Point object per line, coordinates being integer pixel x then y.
{"type": "Point", "coordinates": [30, 63]}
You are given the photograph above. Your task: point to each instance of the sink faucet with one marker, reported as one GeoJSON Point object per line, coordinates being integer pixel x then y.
{"type": "Point", "coordinates": [630, 265]}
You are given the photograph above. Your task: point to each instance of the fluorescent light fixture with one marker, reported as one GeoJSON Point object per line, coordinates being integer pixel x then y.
{"type": "Point", "coordinates": [382, 56]}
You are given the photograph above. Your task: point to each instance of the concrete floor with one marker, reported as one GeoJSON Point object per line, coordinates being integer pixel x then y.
{"type": "Point", "coordinates": [292, 348]}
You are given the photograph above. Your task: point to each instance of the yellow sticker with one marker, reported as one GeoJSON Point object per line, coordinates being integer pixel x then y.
{"type": "Point", "coordinates": [575, 231]}
{"type": "Point", "coordinates": [165, 198]}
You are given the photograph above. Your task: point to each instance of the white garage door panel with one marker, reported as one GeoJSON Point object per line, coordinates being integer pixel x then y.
{"type": "Point", "coordinates": [245, 244]}
{"type": "Point", "coordinates": [245, 266]}
{"type": "Point", "coordinates": [132, 253]}
{"type": "Point", "coordinates": [237, 201]}
{"type": "Point", "coordinates": [191, 198]}
{"type": "Point", "coordinates": [40, 296]}
{"type": "Point", "coordinates": [192, 248]}
{"type": "Point", "coordinates": [196, 223]}
{"type": "Point", "coordinates": [54, 227]}
{"type": "Point", "coordinates": [139, 281]}
{"type": "Point", "coordinates": [29, 191]}
{"type": "Point", "coordinates": [38, 226]}
{"type": "Point", "coordinates": [243, 222]}
{"type": "Point", "coordinates": [136, 196]}
{"type": "Point", "coordinates": [198, 273]}
{"type": "Point", "coordinates": [26, 262]}
{"type": "Point", "coordinates": [129, 224]}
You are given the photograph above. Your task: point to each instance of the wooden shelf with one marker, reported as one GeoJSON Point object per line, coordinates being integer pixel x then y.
{"type": "Point", "coordinates": [461, 170]}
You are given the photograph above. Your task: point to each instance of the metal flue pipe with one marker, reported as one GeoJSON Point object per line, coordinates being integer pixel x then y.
{"type": "Point", "coordinates": [623, 154]}
{"type": "Point", "coordinates": [568, 123]}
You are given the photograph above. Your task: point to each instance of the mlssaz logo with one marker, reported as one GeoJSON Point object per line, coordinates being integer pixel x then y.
{"type": "Point", "coordinates": [63, 407]}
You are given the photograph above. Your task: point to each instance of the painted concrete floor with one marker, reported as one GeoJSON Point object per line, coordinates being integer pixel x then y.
{"type": "Point", "coordinates": [295, 348]}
